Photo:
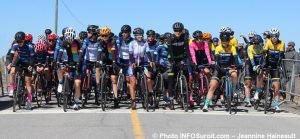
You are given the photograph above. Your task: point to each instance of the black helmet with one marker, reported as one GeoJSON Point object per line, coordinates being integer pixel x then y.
{"type": "Point", "coordinates": [257, 39]}
{"type": "Point", "coordinates": [92, 28]}
{"type": "Point", "coordinates": [83, 34]}
{"type": "Point", "coordinates": [161, 37]}
{"type": "Point", "coordinates": [20, 36]}
{"type": "Point", "coordinates": [138, 31]}
{"type": "Point", "coordinates": [168, 35]}
{"type": "Point", "coordinates": [125, 28]}
{"type": "Point", "coordinates": [225, 36]}
{"type": "Point", "coordinates": [197, 34]}
{"type": "Point", "coordinates": [64, 30]}
{"type": "Point", "coordinates": [48, 31]}
{"type": "Point", "coordinates": [157, 35]}
{"type": "Point", "coordinates": [178, 26]}
{"type": "Point", "coordinates": [150, 32]}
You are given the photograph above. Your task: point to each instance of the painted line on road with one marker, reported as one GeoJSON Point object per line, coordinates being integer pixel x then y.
{"type": "Point", "coordinates": [136, 124]}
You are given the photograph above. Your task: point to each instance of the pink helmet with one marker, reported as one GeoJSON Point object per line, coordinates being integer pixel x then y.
{"type": "Point", "coordinates": [40, 46]}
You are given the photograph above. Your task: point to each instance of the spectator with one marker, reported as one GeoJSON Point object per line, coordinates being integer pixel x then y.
{"type": "Point", "coordinates": [291, 54]}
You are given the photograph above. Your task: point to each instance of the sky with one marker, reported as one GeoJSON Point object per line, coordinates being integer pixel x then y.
{"type": "Point", "coordinates": [243, 16]}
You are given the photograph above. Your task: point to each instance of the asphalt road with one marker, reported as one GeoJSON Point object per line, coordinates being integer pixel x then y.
{"type": "Point", "coordinates": [51, 122]}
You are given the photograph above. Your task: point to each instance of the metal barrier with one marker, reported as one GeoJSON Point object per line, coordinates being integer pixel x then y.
{"type": "Point", "coordinates": [289, 78]}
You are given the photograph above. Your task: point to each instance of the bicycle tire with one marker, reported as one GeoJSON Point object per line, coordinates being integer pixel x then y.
{"type": "Point", "coordinates": [146, 93]}
{"type": "Point", "coordinates": [267, 94]}
{"type": "Point", "coordinates": [228, 89]}
{"type": "Point", "coordinates": [66, 91]}
{"type": "Point", "coordinates": [103, 91]}
{"type": "Point", "coordinates": [39, 94]}
{"type": "Point", "coordinates": [184, 93]}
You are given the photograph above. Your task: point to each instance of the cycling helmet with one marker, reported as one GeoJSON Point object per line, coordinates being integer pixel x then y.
{"type": "Point", "coordinates": [70, 34]}
{"type": "Point", "coordinates": [40, 46]}
{"type": "Point", "coordinates": [256, 39]}
{"type": "Point", "coordinates": [150, 32]}
{"type": "Point", "coordinates": [215, 39]}
{"type": "Point", "coordinates": [206, 35]}
{"type": "Point", "coordinates": [105, 31]}
{"type": "Point", "coordinates": [267, 33]}
{"type": "Point", "coordinates": [274, 31]}
{"type": "Point", "coordinates": [83, 35]}
{"type": "Point", "coordinates": [41, 37]}
{"type": "Point", "coordinates": [224, 36]}
{"type": "Point", "coordinates": [168, 35]}
{"type": "Point", "coordinates": [48, 31]}
{"type": "Point", "coordinates": [52, 36]}
{"type": "Point", "coordinates": [223, 29]}
{"type": "Point", "coordinates": [64, 30]}
{"type": "Point", "coordinates": [161, 37]}
{"type": "Point", "coordinates": [28, 37]}
{"type": "Point", "coordinates": [92, 28]}
{"type": "Point", "coordinates": [126, 28]}
{"type": "Point", "coordinates": [178, 26]}
{"type": "Point", "coordinates": [251, 34]}
{"type": "Point", "coordinates": [20, 36]}
{"type": "Point", "coordinates": [138, 31]}
{"type": "Point", "coordinates": [198, 34]}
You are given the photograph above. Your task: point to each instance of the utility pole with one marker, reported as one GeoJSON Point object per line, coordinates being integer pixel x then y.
{"type": "Point", "coordinates": [56, 16]}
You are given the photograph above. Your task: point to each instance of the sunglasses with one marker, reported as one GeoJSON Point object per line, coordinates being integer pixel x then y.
{"type": "Point", "coordinates": [20, 41]}
{"type": "Point", "coordinates": [51, 40]}
{"type": "Point", "coordinates": [104, 35]}
{"type": "Point", "coordinates": [150, 36]}
{"type": "Point", "coordinates": [177, 30]}
{"type": "Point", "coordinates": [290, 45]}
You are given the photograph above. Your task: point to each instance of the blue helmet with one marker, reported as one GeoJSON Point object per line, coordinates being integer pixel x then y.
{"type": "Point", "coordinates": [215, 39]}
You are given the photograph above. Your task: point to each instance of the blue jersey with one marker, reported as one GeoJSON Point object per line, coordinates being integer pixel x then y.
{"type": "Point", "coordinates": [151, 49]}
{"type": "Point", "coordinates": [40, 58]}
{"type": "Point", "coordinates": [25, 53]}
{"type": "Point", "coordinates": [123, 47]}
{"type": "Point", "coordinates": [90, 50]}
{"type": "Point", "coordinates": [57, 47]}
{"type": "Point", "coordinates": [161, 55]}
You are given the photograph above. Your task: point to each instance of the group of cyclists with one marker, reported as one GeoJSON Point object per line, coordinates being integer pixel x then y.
{"type": "Point", "coordinates": [100, 47]}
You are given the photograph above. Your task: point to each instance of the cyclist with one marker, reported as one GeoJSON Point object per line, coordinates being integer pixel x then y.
{"type": "Point", "coordinates": [275, 52]}
{"type": "Point", "coordinates": [82, 36]}
{"type": "Point", "coordinates": [226, 56]}
{"type": "Point", "coordinates": [108, 56]}
{"type": "Point", "coordinates": [122, 44]}
{"type": "Point", "coordinates": [89, 52]}
{"type": "Point", "coordinates": [251, 35]}
{"type": "Point", "coordinates": [215, 44]}
{"type": "Point", "coordinates": [52, 38]}
{"type": "Point", "coordinates": [266, 36]}
{"type": "Point", "coordinates": [137, 56]}
{"type": "Point", "coordinates": [47, 32]}
{"type": "Point", "coordinates": [207, 38]}
{"type": "Point", "coordinates": [25, 57]}
{"type": "Point", "coordinates": [200, 53]}
{"type": "Point", "coordinates": [179, 53]}
{"type": "Point", "coordinates": [28, 40]}
{"type": "Point", "coordinates": [255, 55]}
{"type": "Point", "coordinates": [69, 53]}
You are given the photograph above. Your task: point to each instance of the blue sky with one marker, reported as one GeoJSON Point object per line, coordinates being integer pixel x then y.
{"type": "Point", "coordinates": [33, 16]}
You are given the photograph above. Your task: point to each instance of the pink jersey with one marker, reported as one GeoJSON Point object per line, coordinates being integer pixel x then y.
{"type": "Point", "coordinates": [197, 52]}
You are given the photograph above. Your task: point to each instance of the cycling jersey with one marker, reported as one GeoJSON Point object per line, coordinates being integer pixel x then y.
{"type": "Point", "coordinates": [161, 56]}
{"type": "Point", "coordinates": [233, 42]}
{"type": "Point", "coordinates": [57, 47]}
{"type": "Point", "coordinates": [255, 55]}
{"type": "Point", "coordinates": [108, 52]}
{"type": "Point", "coordinates": [25, 55]}
{"type": "Point", "coordinates": [178, 49]}
{"type": "Point", "coordinates": [212, 47]}
{"type": "Point", "coordinates": [70, 52]}
{"type": "Point", "coordinates": [226, 56]}
{"type": "Point", "coordinates": [123, 47]}
{"type": "Point", "coordinates": [200, 53]}
{"type": "Point", "coordinates": [40, 58]}
{"type": "Point", "coordinates": [151, 49]}
{"type": "Point", "coordinates": [274, 52]}
{"type": "Point", "coordinates": [90, 50]}
{"type": "Point", "coordinates": [137, 51]}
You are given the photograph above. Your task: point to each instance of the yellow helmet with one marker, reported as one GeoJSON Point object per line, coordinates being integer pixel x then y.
{"type": "Point", "coordinates": [105, 31]}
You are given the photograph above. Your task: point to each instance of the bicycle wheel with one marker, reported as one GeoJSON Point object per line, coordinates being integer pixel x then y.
{"type": "Point", "coordinates": [267, 95]}
{"type": "Point", "coordinates": [103, 91]}
{"type": "Point", "coordinates": [84, 91]}
{"type": "Point", "coordinates": [184, 93]}
{"type": "Point", "coordinates": [38, 91]}
{"type": "Point", "coordinates": [229, 94]}
{"type": "Point", "coordinates": [65, 94]}
{"type": "Point", "coordinates": [145, 92]}
{"type": "Point", "coordinates": [241, 87]}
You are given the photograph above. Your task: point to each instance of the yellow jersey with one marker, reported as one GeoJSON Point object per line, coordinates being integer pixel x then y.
{"type": "Point", "coordinates": [277, 47]}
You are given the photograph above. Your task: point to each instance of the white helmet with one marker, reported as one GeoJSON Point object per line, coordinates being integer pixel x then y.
{"type": "Point", "coordinates": [70, 34]}
{"type": "Point", "coordinates": [274, 31]}
{"type": "Point", "coordinates": [223, 29]}
{"type": "Point", "coordinates": [252, 34]}
{"type": "Point", "coordinates": [228, 29]}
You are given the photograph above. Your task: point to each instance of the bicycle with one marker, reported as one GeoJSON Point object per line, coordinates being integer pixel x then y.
{"type": "Point", "coordinates": [65, 95]}
{"type": "Point", "coordinates": [121, 84]}
{"type": "Point", "coordinates": [40, 87]}
{"type": "Point", "coordinates": [200, 84]}
{"type": "Point", "coordinates": [87, 85]}
{"type": "Point", "coordinates": [19, 94]}
{"type": "Point", "coordinates": [230, 95]}
{"type": "Point", "coordinates": [141, 86]}
{"type": "Point", "coordinates": [265, 94]}
{"type": "Point", "coordinates": [158, 87]}
{"type": "Point", "coordinates": [105, 86]}
{"type": "Point", "coordinates": [181, 87]}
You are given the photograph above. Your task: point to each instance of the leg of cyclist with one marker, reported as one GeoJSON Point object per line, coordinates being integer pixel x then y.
{"type": "Point", "coordinates": [77, 84]}
{"type": "Point", "coordinates": [12, 81]}
{"type": "Point", "coordinates": [212, 88]}
{"type": "Point", "coordinates": [29, 89]}
{"type": "Point", "coordinates": [248, 83]}
{"type": "Point", "coordinates": [132, 82]}
{"type": "Point", "coordinates": [114, 80]}
{"type": "Point", "coordinates": [60, 75]}
{"type": "Point", "coordinates": [276, 85]}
